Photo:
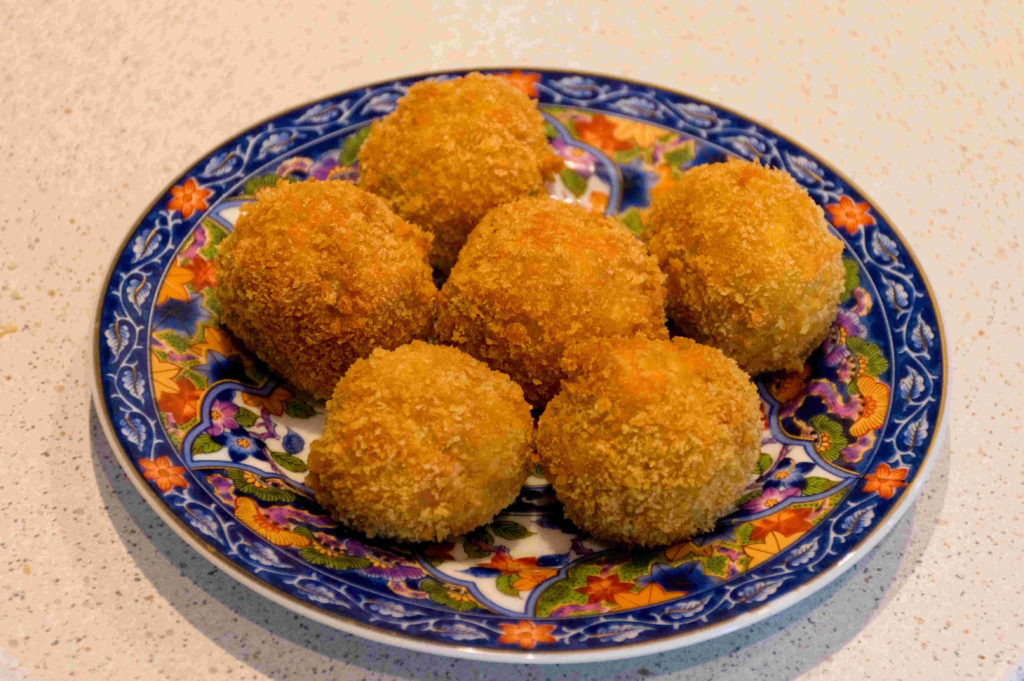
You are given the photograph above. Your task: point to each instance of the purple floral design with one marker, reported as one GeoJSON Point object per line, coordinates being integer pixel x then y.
{"type": "Point", "coordinates": [222, 417]}
{"type": "Point", "coordinates": [788, 475]}
{"type": "Point", "coordinates": [198, 241]}
{"type": "Point", "coordinates": [846, 324]}
{"type": "Point", "coordinates": [769, 498]}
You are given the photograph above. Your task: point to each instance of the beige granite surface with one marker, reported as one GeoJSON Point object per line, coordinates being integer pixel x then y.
{"type": "Point", "coordinates": [104, 103]}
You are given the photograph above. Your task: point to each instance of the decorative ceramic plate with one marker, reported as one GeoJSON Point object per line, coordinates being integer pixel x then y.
{"type": "Point", "coordinates": [218, 445]}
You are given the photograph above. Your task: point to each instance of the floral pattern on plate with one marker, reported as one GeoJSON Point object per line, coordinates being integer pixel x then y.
{"type": "Point", "coordinates": [222, 443]}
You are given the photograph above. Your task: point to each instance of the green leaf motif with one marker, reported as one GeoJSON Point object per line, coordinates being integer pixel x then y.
{"type": "Point", "coordinates": [639, 565]}
{"type": "Point", "coordinates": [342, 562]}
{"type": "Point", "coordinates": [631, 218]}
{"type": "Point", "coordinates": [350, 147]}
{"type": "Point", "coordinates": [472, 541]}
{"type": "Point", "coordinates": [175, 341]}
{"type": "Point", "coordinates": [289, 462]}
{"type": "Point", "coordinates": [212, 303]}
{"type": "Point", "coordinates": [304, 531]}
{"type": "Point", "coordinates": [204, 444]}
{"type": "Point", "coordinates": [717, 566]}
{"type": "Point", "coordinates": [627, 155]}
{"type": "Point", "coordinates": [564, 592]}
{"type": "Point", "coordinates": [831, 436]}
{"type": "Point", "coordinates": [214, 235]}
{"type": "Point", "coordinates": [678, 157]}
{"type": "Point", "coordinates": [254, 184]}
{"type": "Point", "coordinates": [764, 462]}
{"type": "Point", "coordinates": [298, 408]}
{"type": "Point", "coordinates": [573, 182]}
{"type": "Point", "coordinates": [440, 594]}
{"type": "Point", "coordinates": [504, 584]}
{"type": "Point", "coordinates": [851, 277]}
{"type": "Point", "coordinates": [876, 363]}
{"type": "Point", "coordinates": [198, 380]}
{"type": "Point", "coordinates": [262, 493]}
{"type": "Point", "coordinates": [815, 485]}
{"type": "Point", "coordinates": [509, 529]}
{"type": "Point", "coordinates": [549, 131]}
{"type": "Point", "coordinates": [245, 417]}
{"type": "Point", "coordinates": [743, 533]}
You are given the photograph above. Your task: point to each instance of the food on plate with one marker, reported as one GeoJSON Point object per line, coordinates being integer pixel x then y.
{"type": "Point", "coordinates": [650, 441]}
{"type": "Point", "coordinates": [451, 151]}
{"type": "Point", "coordinates": [537, 275]}
{"type": "Point", "coordinates": [420, 443]}
{"type": "Point", "coordinates": [751, 266]}
{"type": "Point", "coordinates": [315, 275]}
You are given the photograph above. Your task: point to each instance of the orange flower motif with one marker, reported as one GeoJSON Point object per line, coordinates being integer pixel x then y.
{"type": "Point", "coordinates": [687, 548]}
{"type": "Point", "coordinates": [273, 403]}
{"type": "Point", "coordinates": [163, 374]}
{"type": "Point", "coordinates": [600, 589]}
{"type": "Point", "coordinates": [524, 82]}
{"type": "Point", "coordinates": [187, 198]}
{"type": "Point", "coordinates": [649, 595]}
{"type": "Point", "coordinates": [788, 521]}
{"type": "Point", "coordinates": [599, 132]}
{"type": "Point", "coordinates": [182, 404]}
{"type": "Point", "coordinates": [849, 215]}
{"type": "Point", "coordinates": [874, 398]}
{"type": "Point", "coordinates": [215, 339]}
{"type": "Point", "coordinates": [511, 566]}
{"type": "Point", "coordinates": [248, 512]}
{"type": "Point", "coordinates": [204, 273]}
{"type": "Point", "coordinates": [885, 480]}
{"type": "Point", "coordinates": [772, 545]}
{"type": "Point", "coordinates": [160, 471]}
{"type": "Point", "coordinates": [174, 284]}
{"type": "Point", "coordinates": [643, 134]}
{"type": "Point", "coordinates": [532, 578]}
{"type": "Point", "coordinates": [526, 634]}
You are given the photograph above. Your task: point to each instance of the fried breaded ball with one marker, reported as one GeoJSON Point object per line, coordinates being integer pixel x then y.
{"type": "Point", "coordinates": [751, 266]}
{"type": "Point", "coordinates": [650, 441]}
{"type": "Point", "coordinates": [421, 443]}
{"type": "Point", "coordinates": [315, 275]}
{"type": "Point", "coordinates": [453, 150]}
{"type": "Point", "coordinates": [538, 274]}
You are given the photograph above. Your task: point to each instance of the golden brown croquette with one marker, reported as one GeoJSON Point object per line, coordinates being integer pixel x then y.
{"type": "Point", "coordinates": [538, 274]}
{"type": "Point", "coordinates": [453, 150]}
{"type": "Point", "coordinates": [650, 441]}
{"type": "Point", "coordinates": [317, 274]}
{"type": "Point", "coordinates": [751, 266]}
{"type": "Point", "coordinates": [421, 443]}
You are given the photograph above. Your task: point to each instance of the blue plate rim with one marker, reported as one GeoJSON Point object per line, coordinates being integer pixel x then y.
{"type": "Point", "coordinates": [881, 527]}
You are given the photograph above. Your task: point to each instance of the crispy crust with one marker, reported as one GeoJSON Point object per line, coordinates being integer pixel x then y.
{"type": "Point", "coordinates": [453, 150]}
{"type": "Point", "coordinates": [650, 441]}
{"type": "Point", "coordinates": [751, 266]}
{"type": "Point", "coordinates": [538, 274]}
{"type": "Point", "coordinates": [317, 274]}
{"type": "Point", "coordinates": [420, 443]}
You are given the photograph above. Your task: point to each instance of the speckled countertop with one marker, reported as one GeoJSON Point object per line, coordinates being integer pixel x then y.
{"type": "Point", "coordinates": [102, 106]}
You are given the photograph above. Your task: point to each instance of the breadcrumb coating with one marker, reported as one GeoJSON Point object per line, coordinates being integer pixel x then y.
{"type": "Point", "coordinates": [650, 441]}
{"type": "Point", "coordinates": [421, 443]}
{"type": "Point", "coordinates": [751, 266]}
{"type": "Point", "coordinates": [317, 274]}
{"type": "Point", "coordinates": [453, 150]}
{"type": "Point", "coordinates": [538, 274]}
